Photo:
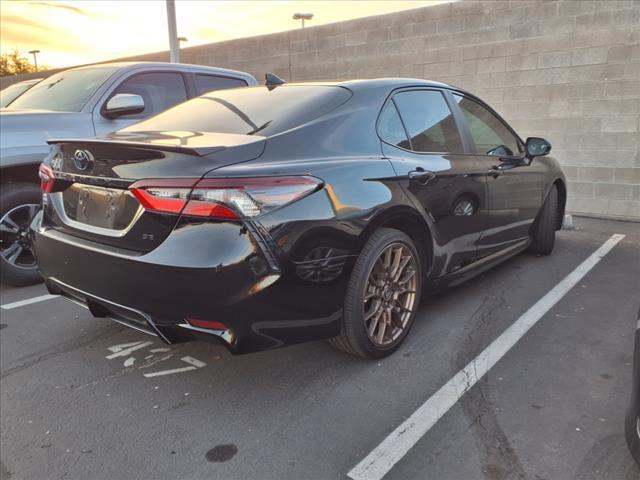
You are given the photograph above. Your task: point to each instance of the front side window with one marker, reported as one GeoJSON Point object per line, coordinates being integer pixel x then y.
{"type": "Point", "coordinates": [429, 122]}
{"type": "Point", "coordinates": [489, 134]}
{"type": "Point", "coordinates": [159, 90]}
{"type": "Point", "coordinates": [207, 83]}
{"type": "Point", "coordinates": [66, 91]}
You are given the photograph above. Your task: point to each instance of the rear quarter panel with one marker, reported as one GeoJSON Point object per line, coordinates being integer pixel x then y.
{"type": "Point", "coordinates": [329, 226]}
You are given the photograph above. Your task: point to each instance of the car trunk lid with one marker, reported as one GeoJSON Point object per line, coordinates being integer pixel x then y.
{"type": "Point", "coordinates": [91, 197]}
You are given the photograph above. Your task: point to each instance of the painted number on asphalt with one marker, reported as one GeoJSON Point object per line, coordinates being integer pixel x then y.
{"type": "Point", "coordinates": [155, 356]}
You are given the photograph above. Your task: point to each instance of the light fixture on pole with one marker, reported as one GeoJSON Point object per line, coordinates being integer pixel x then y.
{"type": "Point", "coordinates": [35, 58]}
{"type": "Point", "coordinates": [180, 40]}
{"type": "Point", "coordinates": [303, 17]}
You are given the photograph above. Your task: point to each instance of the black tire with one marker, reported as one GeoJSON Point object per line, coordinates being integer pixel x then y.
{"type": "Point", "coordinates": [353, 337]}
{"type": "Point", "coordinates": [22, 271]}
{"type": "Point", "coordinates": [543, 235]}
{"type": "Point", "coordinates": [631, 432]}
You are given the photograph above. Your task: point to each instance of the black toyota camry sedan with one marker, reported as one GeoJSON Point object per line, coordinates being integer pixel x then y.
{"type": "Point", "coordinates": [273, 215]}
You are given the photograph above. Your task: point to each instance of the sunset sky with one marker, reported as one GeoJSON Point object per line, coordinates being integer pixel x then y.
{"type": "Point", "coordinates": [76, 32]}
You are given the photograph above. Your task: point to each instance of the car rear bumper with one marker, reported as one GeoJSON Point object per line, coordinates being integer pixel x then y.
{"type": "Point", "coordinates": [220, 273]}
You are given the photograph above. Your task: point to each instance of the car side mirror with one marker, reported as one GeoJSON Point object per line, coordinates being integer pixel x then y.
{"type": "Point", "coordinates": [537, 147]}
{"type": "Point", "coordinates": [123, 104]}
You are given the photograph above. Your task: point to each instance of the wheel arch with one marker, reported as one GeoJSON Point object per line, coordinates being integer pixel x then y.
{"type": "Point", "coordinates": [411, 223]}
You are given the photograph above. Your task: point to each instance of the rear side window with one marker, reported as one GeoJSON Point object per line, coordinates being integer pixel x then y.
{"type": "Point", "coordinates": [207, 83]}
{"type": "Point", "coordinates": [159, 90]}
{"type": "Point", "coordinates": [390, 127]}
{"type": "Point", "coordinates": [429, 122]}
{"type": "Point", "coordinates": [489, 134]}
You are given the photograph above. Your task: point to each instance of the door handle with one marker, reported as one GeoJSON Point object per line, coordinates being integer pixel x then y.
{"type": "Point", "coordinates": [499, 169]}
{"type": "Point", "coordinates": [496, 171]}
{"type": "Point", "coordinates": [421, 176]}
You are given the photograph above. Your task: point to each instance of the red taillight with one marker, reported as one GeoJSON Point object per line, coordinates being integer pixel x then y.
{"type": "Point", "coordinates": [207, 209]}
{"type": "Point", "coordinates": [228, 198]}
{"type": "Point", "coordinates": [163, 196]}
{"type": "Point", "coordinates": [47, 178]}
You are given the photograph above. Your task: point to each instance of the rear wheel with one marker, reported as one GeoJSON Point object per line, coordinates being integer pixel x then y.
{"type": "Point", "coordinates": [382, 296]}
{"type": "Point", "coordinates": [543, 237]}
{"type": "Point", "coordinates": [18, 204]}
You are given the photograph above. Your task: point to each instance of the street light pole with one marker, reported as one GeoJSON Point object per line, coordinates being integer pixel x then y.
{"type": "Point", "coordinates": [303, 17]}
{"type": "Point", "coordinates": [35, 58]}
{"type": "Point", "coordinates": [174, 47]}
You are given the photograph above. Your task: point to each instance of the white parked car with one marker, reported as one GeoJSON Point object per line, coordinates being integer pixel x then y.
{"type": "Point", "coordinates": [81, 102]}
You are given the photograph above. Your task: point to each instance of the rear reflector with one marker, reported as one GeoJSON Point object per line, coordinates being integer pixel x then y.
{"type": "Point", "coordinates": [228, 198]}
{"type": "Point", "coordinates": [209, 324]}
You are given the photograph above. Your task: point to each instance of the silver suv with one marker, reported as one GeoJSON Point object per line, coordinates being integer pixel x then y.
{"type": "Point", "coordinates": [81, 102]}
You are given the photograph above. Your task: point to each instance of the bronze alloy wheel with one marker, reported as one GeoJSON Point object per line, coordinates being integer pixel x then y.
{"type": "Point", "coordinates": [390, 294]}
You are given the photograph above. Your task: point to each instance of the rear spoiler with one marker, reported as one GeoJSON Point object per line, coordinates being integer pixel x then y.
{"type": "Point", "coordinates": [224, 141]}
{"type": "Point", "coordinates": [197, 151]}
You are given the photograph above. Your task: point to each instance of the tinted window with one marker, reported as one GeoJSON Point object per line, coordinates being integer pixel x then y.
{"type": "Point", "coordinates": [487, 131]}
{"type": "Point", "coordinates": [390, 127]}
{"type": "Point", "coordinates": [249, 110]}
{"type": "Point", "coordinates": [159, 90]}
{"type": "Point", "coordinates": [207, 83]}
{"type": "Point", "coordinates": [65, 91]}
{"type": "Point", "coordinates": [429, 121]}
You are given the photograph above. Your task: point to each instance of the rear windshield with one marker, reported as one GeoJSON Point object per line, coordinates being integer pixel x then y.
{"type": "Point", "coordinates": [66, 91]}
{"type": "Point", "coordinates": [248, 111]}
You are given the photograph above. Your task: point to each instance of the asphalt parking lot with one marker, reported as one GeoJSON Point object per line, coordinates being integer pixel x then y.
{"type": "Point", "coordinates": [86, 398]}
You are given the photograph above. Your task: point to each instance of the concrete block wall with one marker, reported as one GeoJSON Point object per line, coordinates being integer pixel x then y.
{"type": "Point", "coordinates": [565, 70]}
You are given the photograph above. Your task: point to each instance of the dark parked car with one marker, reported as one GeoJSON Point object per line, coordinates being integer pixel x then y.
{"type": "Point", "coordinates": [633, 416]}
{"type": "Point", "coordinates": [272, 215]}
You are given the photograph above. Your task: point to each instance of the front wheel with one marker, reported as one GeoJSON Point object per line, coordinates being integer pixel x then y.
{"type": "Point", "coordinates": [18, 204]}
{"type": "Point", "coordinates": [382, 296]}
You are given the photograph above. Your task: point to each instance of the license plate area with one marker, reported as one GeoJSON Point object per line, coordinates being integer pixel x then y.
{"type": "Point", "coordinates": [108, 208]}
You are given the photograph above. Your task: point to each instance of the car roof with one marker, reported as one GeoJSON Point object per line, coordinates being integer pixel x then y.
{"type": "Point", "coordinates": [381, 83]}
{"type": "Point", "coordinates": [131, 66]}
{"type": "Point", "coordinates": [25, 82]}
{"type": "Point", "coordinates": [31, 80]}
{"type": "Point", "coordinates": [375, 82]}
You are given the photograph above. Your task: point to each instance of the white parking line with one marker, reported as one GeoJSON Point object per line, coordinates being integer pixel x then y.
{"type": "Point", "coordinates": [28, 301]}
{"type": "Point", "coordinates": [382, 459]}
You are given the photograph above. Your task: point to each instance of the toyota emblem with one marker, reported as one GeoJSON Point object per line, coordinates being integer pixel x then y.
{"type": "Point", "coordinates": [82, 159]}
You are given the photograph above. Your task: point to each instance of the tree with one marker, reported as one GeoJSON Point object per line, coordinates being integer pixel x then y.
{"type": "Point", "coordinates": [14, 63]}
